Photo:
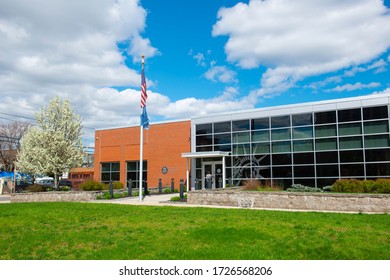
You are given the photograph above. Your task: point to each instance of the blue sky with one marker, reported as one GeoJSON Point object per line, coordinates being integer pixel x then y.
{"type": "Point", "coordinates": [202, 57]}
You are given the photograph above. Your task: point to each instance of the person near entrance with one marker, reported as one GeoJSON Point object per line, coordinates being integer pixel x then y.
{"type": "Point", "coordinates": [208, 180]}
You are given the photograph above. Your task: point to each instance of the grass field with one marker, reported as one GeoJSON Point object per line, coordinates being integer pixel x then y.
{"type": "Point", "coordinates": [103, 231]}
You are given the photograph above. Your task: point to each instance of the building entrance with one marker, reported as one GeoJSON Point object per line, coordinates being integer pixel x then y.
{"type": "Point", "coordinates": [212, 174]}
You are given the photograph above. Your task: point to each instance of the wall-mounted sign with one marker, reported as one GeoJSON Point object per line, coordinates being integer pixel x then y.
{"type": "Point", "coordinates": [164, 170]}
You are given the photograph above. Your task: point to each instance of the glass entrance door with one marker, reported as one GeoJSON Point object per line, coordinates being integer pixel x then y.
{"type": "Point", "coordinates": [212, 175]}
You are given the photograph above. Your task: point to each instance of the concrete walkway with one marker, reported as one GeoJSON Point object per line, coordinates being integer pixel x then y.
{"type": "Point", "coordinates": [156, 199]}
{"type": "Point", "coordinates": [5, 198]}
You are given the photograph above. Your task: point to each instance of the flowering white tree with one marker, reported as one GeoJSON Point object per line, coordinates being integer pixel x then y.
{"type": "Point", "coordinates": [55, 144]}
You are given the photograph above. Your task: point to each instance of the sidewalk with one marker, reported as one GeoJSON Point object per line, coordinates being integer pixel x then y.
{"type": "Point", "coordinates": [154, 199]}
{"type": "Point", "coordinates": [5, 198]}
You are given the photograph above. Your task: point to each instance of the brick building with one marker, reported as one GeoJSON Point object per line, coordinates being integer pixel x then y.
{"type": "Point", "coordinates": [117, 153]}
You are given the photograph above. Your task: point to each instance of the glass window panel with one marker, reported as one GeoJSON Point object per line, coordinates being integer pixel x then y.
{"type": "Point", "coordinates": [376, 127]}
{"type": "Point", "coordinates": [302, 119]}
{"type": "Point", "coordinates": [260, 123]}
{"type": "Point", "coordinates": [325, 117]}
{"type": "Point", "coordinates": [260, 148]}
{"type": "Point", "coordinates": [115, 166]}
{"type": "Point", "coordinates": [261, 172]}
{"type": "Point", "coordinates": [281, 147]}
{"type": "Point", "coordinates": [204, 149]}
{"type": "Point", "coordinates": [350, 142]}
{"type": "Point", "coordinates": [372, 113]}
{"type": "Point", "coordinates": [222, 138]}
{"type": "Point", "coordinates": [349, 115]}
{"type": "Point", "coordinates": [283, 121]}
{"type": "Point", "coordinates": [327, 157]}
{"type": "Point", "coordinates": [243, 137]}
{"type": "Point", "coordinates": [304, 171]}
{"type": "Point", "coordinates": [240, 125]}
{"type": "Point", "coordinates": [282, 159]}
{"type": "Point", "coordinates": [352, 170]}
{"type": "Point", "coordinates": [350, 129]}
{"type": "Point", "coordinates": [323, 182]}
{"type": "Point", "coordinates": [260, 135]}
{"type": "Point", "coordinates": [303, 158]}
{"type": "Point", "coordinates": [242, 149]}
{"type": "Point", "coordinates": [376, 141]}
{"type": "Point", "coordinates": [281, 134]}
{"type": "Point", "coordinates": [106, 167]}
{"type": "Point", "coordinates": [351, 156]}
{"type": "Point", "coordinates": [325, 131]}
{"type": "Point", "coordinates": [115, 176]}
{"type": "Point", "coordinates": [204, 140]}
{"type": "Point", "coordinates": [281, 172]}
{"type": "Point", "coordinates": [132, 166]}
{"type": "Point", "coordinates": [223, 148]}
{"type": "Point", "coordinates": [378, 155]}
{"type": "Point", "coordinates": [132, 176]}
{"type": "Point", "coordinates": [242, 161]}
{"type": "Point", "coordinates": [326, 144]}
{"type": "Point", "coordinates": [261, 160]}
{"type": "Point", "coordinates": [204, 128]}
{"type": "Point", "coordinates": [327, 170]}
{"type": "Point", "coordinates": [378, 169]}
{"type": "Point", "coordinates": [305, 182]}
{"type": "Point", "coordinates": [145, 165]}
{"type": "Point", "coordinates": [222, 127]}
{"type": "Point", "coordinates": [105, 177]}
{"type": "Point", "coordinates": [303, 145]}
{"type": "Point", "coordinates": [303, 132]}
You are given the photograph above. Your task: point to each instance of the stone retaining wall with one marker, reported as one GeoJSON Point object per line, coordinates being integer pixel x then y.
{"type": "Point", "coordinates": [364, 203]}
{"type": "Point", "coordinates": [54, 196]}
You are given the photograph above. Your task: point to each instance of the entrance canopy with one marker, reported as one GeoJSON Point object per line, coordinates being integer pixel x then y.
{"type": "Point", "coordinates": [216, 154]}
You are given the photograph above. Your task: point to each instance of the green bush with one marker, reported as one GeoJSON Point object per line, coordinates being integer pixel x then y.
{"type": "Point", "coordinates": [64, 188]}
{"type": "Point", "coordinates": [348, 186]}
{"type": "Point", "coordinates": [302, 188]}
{"type": "Point", "coordinates": [167, 191]}
{"type": "Point", "coordinates": [36, 188]}
{"type": "Point", "coordinates": [91, 185]}
{"type": "Point", "coordinates": [107, 195]}
{"type": "Point", "coordinates": [362, 186]}
{"type": "Point", "coordinates": [257, 185]}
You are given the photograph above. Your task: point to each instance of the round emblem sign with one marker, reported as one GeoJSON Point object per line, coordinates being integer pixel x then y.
{"type": "Point", "coordinates": [164, 170]}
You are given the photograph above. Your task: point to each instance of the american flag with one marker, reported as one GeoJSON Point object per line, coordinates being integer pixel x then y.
{"type": "Point", "coordinates": [144, 95]}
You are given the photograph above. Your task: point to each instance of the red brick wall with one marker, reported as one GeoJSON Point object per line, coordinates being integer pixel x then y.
{"type": "Point", "coordinates": [163, 145]}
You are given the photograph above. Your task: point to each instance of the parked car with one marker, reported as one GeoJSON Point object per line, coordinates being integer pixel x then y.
{"type": "Point", "coordinates": [63, 183]}
{"type": "Point", "coordinates": [45, 181]}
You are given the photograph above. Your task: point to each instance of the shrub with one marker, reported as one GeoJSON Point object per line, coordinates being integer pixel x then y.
{"type": "Point", "coordinates": [36, 188]}
{"type": "Point", "coordinates": [381, 186]}
{"type": "Point", "coordinates": [167, 191]}
{"type": "Point", "coordinates": [348, 186]}
{"type": "Point", "coordinates": [302, 188]}
{"type": "Point", "coordinates": [257, 185]}
{"type": "Point", "coordinates": [64, 188]}
{"type": "Point", "coordinates": [362, 186]}
{"type": "Point", "coordinates": [91, 185]}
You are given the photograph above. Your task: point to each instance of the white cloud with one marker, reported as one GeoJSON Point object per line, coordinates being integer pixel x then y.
{"type": "Point", "coordinates": [69, 49]}
{"type": "Point", "coordinates": [302, 38]}
{"type": "Point", "coordinates": [356, 86]}
{"type": "Point", "coordinates": [193, 107]}
{"type": "Point", "coordinates": [221, 74]}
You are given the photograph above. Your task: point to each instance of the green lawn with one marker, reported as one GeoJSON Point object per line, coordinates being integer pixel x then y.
{"type": "Point", "coordinates": [105, 231]}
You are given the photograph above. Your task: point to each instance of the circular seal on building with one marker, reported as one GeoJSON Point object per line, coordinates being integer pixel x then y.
{"type": "Point", "coordinates": [164, 170]}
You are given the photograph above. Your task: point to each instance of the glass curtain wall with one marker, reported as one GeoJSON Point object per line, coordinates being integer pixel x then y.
{"type": "Point", "coordinates": [313, 149]}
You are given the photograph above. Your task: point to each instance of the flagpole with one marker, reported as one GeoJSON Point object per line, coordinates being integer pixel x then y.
{"type": "Point", "coordinates": [141, 148]}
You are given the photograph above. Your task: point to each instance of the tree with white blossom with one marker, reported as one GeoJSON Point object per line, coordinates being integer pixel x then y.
{"type": "Point", "coordinates": [54, 145]}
